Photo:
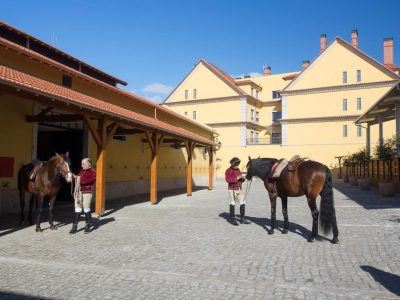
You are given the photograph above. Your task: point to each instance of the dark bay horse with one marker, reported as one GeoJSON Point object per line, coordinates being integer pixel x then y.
{"type": "Point", "coordinates": [310, 178]}
{"type": "Point", "coordinates": [46, 184]}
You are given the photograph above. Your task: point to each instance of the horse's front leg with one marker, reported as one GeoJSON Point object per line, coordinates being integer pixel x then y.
{"type": "Point", "coordinates": [31, 201]}
{"type": "Point", "coordinates": [51, 215]}
{"type": "Point", "coordinates": [312, 203]}
{"type": "Point", "coordinates": [272, 198]}
{"type": "Point", "coordinates": [285, 215]}
{"type": "Point", "coordinates": [39, 210]}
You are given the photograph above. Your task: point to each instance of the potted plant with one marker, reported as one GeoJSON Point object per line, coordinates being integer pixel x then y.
{"type": "Point", "coordinates": [363, 157]}
{"type": "Point", "coordinates": [386, 152]}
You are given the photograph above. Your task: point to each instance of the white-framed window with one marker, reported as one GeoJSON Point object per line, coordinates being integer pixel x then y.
{"type": "Point", "coordinates": [252, 136]}
{"type": "Point", "coordinates": [257, 116]}
{"type": "Point", "coordinates": [275, 95]}
{"type": "Point", "coordinates": [252, 114]}
{"type": "Point", "coordinates": [194, 115]}
{"type": "Point", "coordinates": [344, 76]}
{"type": "Point", "coordinates": [256, 94]}
{"type": "Point", "coordinates": [205, 151]}
{"type": "Point", "coordinates": [185, 113]}
{"type": "Point", "coordinates": [252, 92]}
{"type": "Point", "coordinates": [345, 131]}
{"type": "Point", "coordinates": [256, 138]}
{"type": "Point", "coordinates": [358, 75]}
{"type": "Point", "coordinates": [344, 104]}
{"type": "Point", "coordinates": [186, 94]}
{"type": "Point", "coordinates": [359, 130]}
{"type": "Point", "coordinates": [359, 104]}
{"type": "Point", "coordinates": [195, 94]}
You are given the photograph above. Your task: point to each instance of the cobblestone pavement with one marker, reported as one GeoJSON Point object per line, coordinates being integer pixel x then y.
{"type": "Point", "coordinates": [183, 248]}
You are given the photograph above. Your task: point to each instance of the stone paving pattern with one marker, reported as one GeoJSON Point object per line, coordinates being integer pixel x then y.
{"type": "Point", "coordinates": [184, 248]}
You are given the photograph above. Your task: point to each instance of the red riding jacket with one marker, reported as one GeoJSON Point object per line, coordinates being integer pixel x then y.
{"type": "Point", "coordinates": [231, 176]}
{"type": "Point", "coordinates": [88, 179]}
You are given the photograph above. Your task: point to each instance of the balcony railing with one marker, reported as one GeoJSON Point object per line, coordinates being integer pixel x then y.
{"type": "Point", "coordinates": [275, 140]}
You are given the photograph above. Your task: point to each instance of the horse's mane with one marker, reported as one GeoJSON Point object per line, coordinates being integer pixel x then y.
{"type": "Point", "coordinates": [262, 166]}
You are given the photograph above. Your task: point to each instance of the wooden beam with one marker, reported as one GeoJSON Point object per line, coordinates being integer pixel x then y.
{"type": "Point", "coordinates": [210, 168]}
{"type": "Point", "coordinates": [126, 131]}
{"type": "Point", "coordinates": [101, 168]}
{"type": "Point", "coordinates": [92, 130]}
{"type": "Point", "coordinates": [112, 131]}
{"type": "Point", "coordinates": [153, 169]}
{"type": "Point", "coordinates": [189, 172]}
{"type": "Point", "coordinates": [54, 118]}
{"type": "Point", "coordinates": [150, 140]}
{"type": "Point", "coordinates": [45, 111]}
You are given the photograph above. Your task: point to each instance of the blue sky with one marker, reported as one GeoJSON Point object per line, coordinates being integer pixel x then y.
{"type": "Point", "coordinates": [153, 44]}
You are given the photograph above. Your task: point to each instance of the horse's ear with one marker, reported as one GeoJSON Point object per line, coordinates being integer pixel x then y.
{"type": "Point", "coordinates": [259, 157]}
{"type": "Point", "coordinates": [67, 154]}
{"type": "Point", "coordinates": [249, 157]}
{"type": "Point", "coordinates": [58, 155]}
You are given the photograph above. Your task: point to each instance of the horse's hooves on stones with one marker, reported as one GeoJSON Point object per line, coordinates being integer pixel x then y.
{"type": "Point", "coordinates": [285, 231]}
{"type": "Point", "coordinates": [271, 231]}
{"type": "Point", "coordinates": [335, 240]}
{"type": "Point", "coordinates": [38, 229]}
{"type": "Point", "coordinates": [311, 239]}
{"type": "Point", "coordinates": [53, 227]}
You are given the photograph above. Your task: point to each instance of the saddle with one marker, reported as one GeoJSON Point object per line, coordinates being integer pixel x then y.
{"type": "Point", "coordinates": [36, 165]}
{"type": "Point", "coordinates": [283, 165]}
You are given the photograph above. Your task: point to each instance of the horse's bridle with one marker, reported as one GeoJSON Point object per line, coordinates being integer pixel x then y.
{"type": "Point", "coordinates": [63, 174]}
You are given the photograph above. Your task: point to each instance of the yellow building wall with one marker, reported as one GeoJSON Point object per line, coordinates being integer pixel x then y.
{"type": "Point", "coordinates": [15, 133]}
{"type": "Point", "coordinates": [331, 104]}
{"type": "Point", "coordinates": [207, 84]}
{"type": "Point", "coordinates": [328, 69]}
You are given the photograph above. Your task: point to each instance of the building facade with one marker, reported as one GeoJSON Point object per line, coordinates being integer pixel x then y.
{"type": "Point", "coordinates": [310, 112]}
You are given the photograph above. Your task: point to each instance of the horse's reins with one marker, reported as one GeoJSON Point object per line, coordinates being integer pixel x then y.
{"type": "Point", "coordinates": [247, 186]}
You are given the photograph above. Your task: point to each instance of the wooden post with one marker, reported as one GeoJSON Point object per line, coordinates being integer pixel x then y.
{"type": "Point", "coordinates": [189, 149]}
{"type": "Point", "coordinates": [153, 141]}
{"type": "Point", "coordinates": [101, 167]}
{"type": "Point", "coordinates": [210, 168]}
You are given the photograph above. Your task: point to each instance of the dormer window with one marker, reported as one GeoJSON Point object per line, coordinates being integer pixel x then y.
{"type": "Point", "coordinates": [344, 76]}
{"type": "Point", "coordinates": [358, 75]}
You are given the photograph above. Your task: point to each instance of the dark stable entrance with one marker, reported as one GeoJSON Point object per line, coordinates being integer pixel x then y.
{"type": "Point", "coordinates": [51, 141]}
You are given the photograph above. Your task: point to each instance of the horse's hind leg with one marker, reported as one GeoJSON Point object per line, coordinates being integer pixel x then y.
{"type": "Point", "coordinates": [31, 201]}
{"type": "Point", "coordinates": [51, 215]}
{"type": "Point", "coordinates": [39, 210]}
{"type": "Point", "coordinates": [285, 215]}
{"type": "Point", "coordinates": [335, 229]}
{"type": "Point", "coordinates": [312, 203]}
{"type": "Point", "coordinates": [272, 198]}
{"type": "Point", "coordinates": [22, 205]}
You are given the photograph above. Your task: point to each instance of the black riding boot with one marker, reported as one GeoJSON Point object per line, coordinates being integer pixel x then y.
{"type": "Point", "coordinates": [242, 212]}
{"type": "Point", "coordinates": [75, 223]}
{"type": "Point", "coordinates": [232, 219]}
{"type": "Point", "coordinates": [88, 218]}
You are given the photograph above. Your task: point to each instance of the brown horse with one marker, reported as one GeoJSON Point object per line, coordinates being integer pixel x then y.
{"type": "Point", "coordinates": [46, 184]}
{"type": "Point", "coordinates": [310, 178]}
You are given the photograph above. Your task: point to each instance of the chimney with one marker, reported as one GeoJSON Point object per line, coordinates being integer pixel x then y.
{"type": "Point", "coordinates": [305, 64]}
{"type": "Point", "coordinates": [354, 38]}
{"type": "Point", "coordinates": [322, 42]}
{"type": "Point", "coordinates": [267, 71]}
{"type": "Point", "coordinates": [388, 58]}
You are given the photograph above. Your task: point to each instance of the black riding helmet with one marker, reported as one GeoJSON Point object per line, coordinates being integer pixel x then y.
{"type": "Point", "coordinates": [234, 161]}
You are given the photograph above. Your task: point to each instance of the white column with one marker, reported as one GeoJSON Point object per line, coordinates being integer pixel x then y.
{"type": "Point", "coordinates": [368, 139]}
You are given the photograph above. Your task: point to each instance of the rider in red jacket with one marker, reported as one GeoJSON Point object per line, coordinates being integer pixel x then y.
{"type": "Point", "coordinates": [234, 178]}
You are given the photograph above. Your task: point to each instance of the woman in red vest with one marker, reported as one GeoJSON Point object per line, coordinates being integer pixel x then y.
{"type": "Point", "coordinates": [234, 178]}
{"type": "Point", "coordinates": [84, 186]}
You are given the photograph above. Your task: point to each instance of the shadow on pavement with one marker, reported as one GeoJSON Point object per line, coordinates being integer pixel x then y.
{"type": "Point", "coordinates": [369, 199]}
{"type": "Point", "coordinates": [390, 281]}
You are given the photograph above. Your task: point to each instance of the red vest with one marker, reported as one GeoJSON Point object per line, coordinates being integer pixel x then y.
{"type": "Point", "coordinates": [88, 179]}
{"type": "Point", "coordinates": [231, 175]}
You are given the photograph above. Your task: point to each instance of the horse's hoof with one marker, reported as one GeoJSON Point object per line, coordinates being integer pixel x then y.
{"type": "Point", "coordinates": [38, 229]}
{"type": "Point", "coordinates": [271, 231]}
{"type": "Point", "coordinates": [52, 227]}
{"type": "Point", "coordinates": [335, 240]}
{"type": "Point", "coordinates": [311, 239]}
{"type": "Point", "coordinates": [285, 231]}
{"type": "Point", "coordinates": [22, 223]}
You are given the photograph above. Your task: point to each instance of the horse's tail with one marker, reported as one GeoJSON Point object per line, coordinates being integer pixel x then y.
{"type": "Point", "coordinates": [327, 209]}
{"type": "Point", "coordinates": [22, 177]}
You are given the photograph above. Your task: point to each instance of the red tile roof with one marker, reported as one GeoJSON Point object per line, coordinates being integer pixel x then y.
{"type": "Point", "coordinates": [72, 71]}
{"type": "Point", "coordinates": [17, 79]}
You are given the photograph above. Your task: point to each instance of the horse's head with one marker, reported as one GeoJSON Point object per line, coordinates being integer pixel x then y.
{"type": "Point", "coordinates": [250, 169]}
{"type": "Point", "coordinates": [63, 166]}
{"type": "Point", "coordinates": [259, 167]}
